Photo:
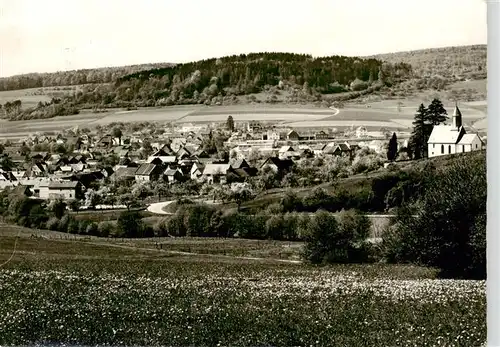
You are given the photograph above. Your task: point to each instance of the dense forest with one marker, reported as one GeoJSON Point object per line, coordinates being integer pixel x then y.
{"type": "Point", "coordinates": [219, 80]}
{"type": "Point", "coordinates": [73, 77]}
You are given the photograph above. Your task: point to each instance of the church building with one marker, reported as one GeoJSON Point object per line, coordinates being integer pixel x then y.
{"type": "Point", "coordinates": [450, 139]}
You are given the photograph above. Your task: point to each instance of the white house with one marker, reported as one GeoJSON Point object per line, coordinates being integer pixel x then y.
{"type": "Point", "coordinates": [450, 139]}
{"type": "Point", "coordinates": [361, 132]}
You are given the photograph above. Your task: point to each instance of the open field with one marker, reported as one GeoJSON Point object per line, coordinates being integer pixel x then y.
{"type": "Point", "coordinates": [31, 97]}
{"type": "Point", "coordinates": [373, 115]}
{"type": "Point", "coordinates": [88, 292]}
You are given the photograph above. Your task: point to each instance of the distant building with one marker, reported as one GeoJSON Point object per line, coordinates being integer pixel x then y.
{"type": "Point", "coordinates": [148, 172]}
{"type": "Point", "coordinates": [66, 190]}
{"type": "Point", "coordinates": [361, 132]}
{"type": "Point", "coordinates": [254, 126]}
{"type": "Point", "coordinates": [450, 139]}
{"type": "Point", "coordinates": [292, 136]}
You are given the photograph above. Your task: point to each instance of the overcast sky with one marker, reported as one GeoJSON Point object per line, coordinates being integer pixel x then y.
{"type": "Point", "coordinates": [52, 35]}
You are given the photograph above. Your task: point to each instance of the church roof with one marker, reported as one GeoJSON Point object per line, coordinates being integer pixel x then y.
{"type": "Point", "coordinates": [467, 139]}
{"type": "Point", "coordinates": [446, 134]}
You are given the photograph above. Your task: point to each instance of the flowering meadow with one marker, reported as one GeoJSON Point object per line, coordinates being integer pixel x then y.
{"type": "Point", "coordinates": [84, 293]}
{"type": "Point", "coordinates": [184, 303]}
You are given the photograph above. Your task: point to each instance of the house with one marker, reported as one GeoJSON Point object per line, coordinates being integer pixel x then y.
{"type": "Point", "coordinates": [450, 139]}
{"type": "Point", "coordinates": [65, 190]}
{"type": "Point", "coordinates": [321, 135]}
{"type": "Point", "coordinates": [201, 153]}
{"type": "Point", "coordinates": [240, 174]}
{"type": "Point", "coordinates": [215, 173]}
{"type": "Point", "coordinates": [183, 152]}
{"type": "Point", "coordinates": [340, 149]}
{"type": "Point", "coordinates": [75, 142]}
{"type": "Point", "coordinates": [196, 171]}
{"type": "Point", "coordinates": [361, 132]}
{"type": "Point", "coordinates": [39, 156]}
{"type": "Point", "coordinates": [148, 172]}
{"type": "Point", "coordinates": [277, 165]}
{"type": "Point", "coordinates": [240, 164]}
{"type": "Point", "coordinates": [317, 149]}
{"type": "Point", "coordinates": [123, 174]}
{"type": "Point", "coordinates": [105, 142]}
{"type": "Point", "coordinates": [7, 179]}
{"type": "Point", "coordinates": [287, 152]}
{"type": "Point", "coordinates": [161, 153]}
{"type": "Point", "coordinates": [21, 190]}
{"type": "Point", "coordinates": [254, 126]}
{"type": "Point", "coordinates": [271, 135]}
{"type": "Point", "coordinates": [160, 160]}
{"type": "Point", "coordinates": [173, 175]}
{"type": "Point", "coordinates": [36, 169]}
{"type": "Point", "coordinates": [292, 135]}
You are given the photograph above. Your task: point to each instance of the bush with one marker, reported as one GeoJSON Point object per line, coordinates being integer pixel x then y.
{"type": "Point", "coordinates": [160, 228]}
{"type": "Point", "coordinates": [320, 238]}
{"type": "Point", "coordinates": [332, 240]}
{"type": "Point", "coordinates": [245, 226]}
{"type": "Point", "coordinates": [355, 229]}
{"type": "Point", "coordinates": [129, 224]}
{"type": "Point", "coordinates": [105, 229]}
{"type": "Point", "coordinates": [92, 229]}
{"type": "Point", "coordinates": [291, 202]}
{"type": "Point", "coordinates": [73, 226]}
{"type": "Point", "coordinates": [53, 224]}
{"type": "Point", "coordinates": [275, 226]}
{"type": "Point", "coordinates": [446, 227]}
{"type": "Point", "coordinates": [317, 199]}
{"type": "Point", "coordinates": [64, 223]}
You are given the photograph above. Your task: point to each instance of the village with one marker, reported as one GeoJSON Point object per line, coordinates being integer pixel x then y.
{"type": "Point", "coordinates": [67, 164]}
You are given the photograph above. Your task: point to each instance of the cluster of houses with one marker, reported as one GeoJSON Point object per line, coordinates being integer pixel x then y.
{"type": "Point", "coordinates": [174, 159]}
{"type": "Point", "coordinates": [181, 157]}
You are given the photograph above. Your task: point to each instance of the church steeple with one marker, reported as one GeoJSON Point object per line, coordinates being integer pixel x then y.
{"type": "Point", "coordinates": [457, 118]}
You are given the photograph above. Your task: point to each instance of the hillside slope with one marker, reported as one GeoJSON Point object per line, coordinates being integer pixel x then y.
{"type": "Point", "coordinates": [457, 62]}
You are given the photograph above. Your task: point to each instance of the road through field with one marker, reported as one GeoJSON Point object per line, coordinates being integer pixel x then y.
{"type": "Point", "coordinates": [158, 208]}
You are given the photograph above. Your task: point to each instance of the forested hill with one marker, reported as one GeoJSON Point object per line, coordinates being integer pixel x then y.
{"type": "Point", "coordinates": [455, 62]}
{"type": "Point", "coordinates": [221, 80]}
{"type": "Point", "coordinates": [245, 74]}
{"type": "Point", "coordinates": [73, 77]}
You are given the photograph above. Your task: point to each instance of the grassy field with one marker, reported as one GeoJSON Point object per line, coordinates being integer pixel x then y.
{"type": "Point", "coordinates": [31, 97]}
{"type": "Point", "coordinates": [374, 114]}
{"type": "Point", "coordinates": [85, 291]}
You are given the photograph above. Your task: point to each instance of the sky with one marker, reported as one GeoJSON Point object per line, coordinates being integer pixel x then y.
{"type": "Point", "coordinates": [54, 35]}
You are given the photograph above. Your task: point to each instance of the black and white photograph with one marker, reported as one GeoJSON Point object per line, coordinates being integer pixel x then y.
{"type": "Point", "coordinates": [247, 173]}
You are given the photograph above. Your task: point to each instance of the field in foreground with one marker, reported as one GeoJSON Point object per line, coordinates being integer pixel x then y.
{"type": "Point", "coordinates": [90, 291]}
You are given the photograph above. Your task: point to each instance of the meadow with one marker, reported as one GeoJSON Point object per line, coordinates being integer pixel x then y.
{"type": "Point", "coordinates": [372, 113]}
{"type": "Point", "coordinates": [88, 291]}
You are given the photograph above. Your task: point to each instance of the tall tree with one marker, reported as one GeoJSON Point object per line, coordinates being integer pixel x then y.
{"type": "Point", "coordinates": [392, 150]}
{"type": "Point", "coordinates": [117, 133]}
{"type": "Point", "coordinates": [230, 123]}
{"type": "Point", "coordinates": [420, 134]}
{"type": "Point", "coordinates": [436, 114]}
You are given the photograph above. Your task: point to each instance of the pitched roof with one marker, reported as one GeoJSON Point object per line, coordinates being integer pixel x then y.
{"type": "Point", "coordinates": [212, 169]}
{"type": "Point", "coordinates": [467, 139]}
{"type": "Point", "coordinates": [63, 185]}
{"type": "Point", "coordinates": [163, 158]}
{"type": "Point", "coordinates": [145, 169]}
{"type": "Point", "coordinates": [240, 163]}
{"type": "Point", "coordinates": [286, 149]}
{"type": "Point", "coordinates": [445, 134]}
{"type": "Point", "coordinates": [280, 163]}
{"type": "Point", "coordinates": [170, 172]}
